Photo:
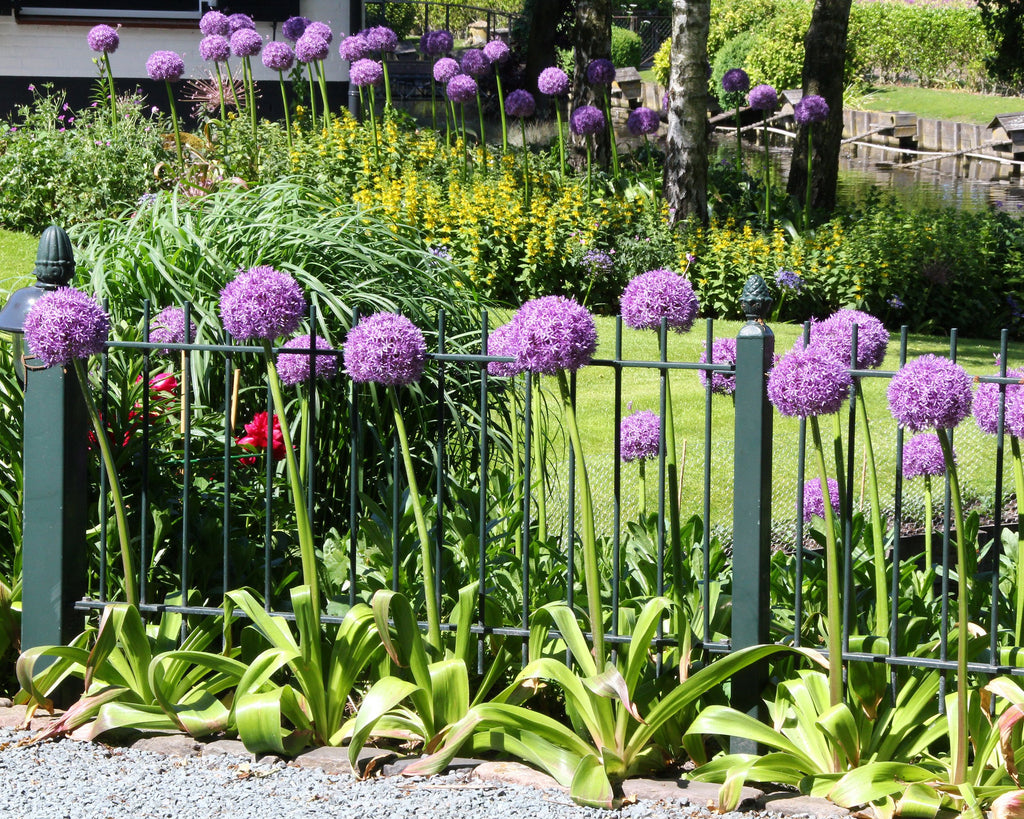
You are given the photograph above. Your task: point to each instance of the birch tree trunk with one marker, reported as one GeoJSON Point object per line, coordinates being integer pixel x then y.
{"type": "Point", "coordinates": [593, 40]}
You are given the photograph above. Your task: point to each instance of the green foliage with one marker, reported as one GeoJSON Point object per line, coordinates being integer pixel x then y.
{"type": "Point", "coordinates": [776, 56]}
{"type": "Point", "coordinates": [663, 62]}
{"type": "Point", "coordinates": [399, 17]}
{"type": "Point", "coordinates": [627, 47]}
{"type": "Point", "coordinates": [733, 54]}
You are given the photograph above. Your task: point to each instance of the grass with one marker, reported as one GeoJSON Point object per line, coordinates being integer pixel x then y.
{"type": "Point", "coordinates": [935, 103]}
{"type": "Point", "coordinates": [17, 259]}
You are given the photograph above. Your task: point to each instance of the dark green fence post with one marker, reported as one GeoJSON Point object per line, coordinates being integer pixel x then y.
{"type": "Point", "coordinates": [55, 485]}
{"type": "Point", "coordinates": [752, 499]}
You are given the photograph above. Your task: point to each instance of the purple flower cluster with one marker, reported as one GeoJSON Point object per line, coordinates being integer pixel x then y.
{"type": "Point", "coordinates": [814, 500]}
{"type": "Point", "coordinates": [446, 69]}
{"type": "Point", "coordinates": [215, 48]}
{"type": "Point", "coordinates": [385, 348]}
{"type": "Point", "coordinates": [497, 51]}
{"type": "Point", "coordinates": [640, 436]}
{"type": "Point", "coordinates": [930, 393]}
{"type": "Point", "coordinates": [354, 47]}
{"type": "Point", "coordinates": [236, 22]}
{"type": "Point", "coordinates": [311, 47]}
{"type": "Point", "coordinates": [735, 80]}
{"type": "Point", "coordinates": [808, 382]}
{"type": "Point", "coordinates": [986, 404]}
{"type": "Point", "coordinates": [103, 39]}
{"type": "Point", "coordinates": [553, 82]}
{"type": "Point", "coordinates": [922, 455]}
{"type": "Point", "coordinates": [295, 27]}
{"type": "Point", "coordinates": [366, 72]}
{"type": "Point", "coordinates": [261, 303]}
{"type": "Point", "coordinates": [763, 98]}
{"type": "Point", "coordinates": [246, 42]}
{"type": "Point", "coordinates": [461, 88]}
{"type": "Point", "coordinates": [322, 30]}
{"type": "Point", "coordinates": [381, 38]}
{"type": "Point", "coordinates": [168, 327]}
{"type": "Point", "coordinates": [810, 109]}
{"type": "Point", "coordinates": [553, 333]}
{"type": "Point", "coordinates": [642, 121]}
{"type": "Point", "coordinates": [835, 334]}
{"type": "Point", "coordinates": [293, 368]}
{"type": "Point", "coordinates": [278, 56]}
{"type": "Point", "coordinates": [214, 22]}
{"type": "Point", "coordinates": [475, 62]}
{"type": "Point", "coordinates": [788, 280]}
{"type": "Point", "coordinates": [601, 72]}
{"type": "Point", "coordinates": [165, 65]}
{"type": "Point", "coordinates": [587, 120]}
{"type": "Point", "coordinates": [520, 104]}
{"type": "Point", "coordinates": [656, 295]}
{"type": "Point", "coordinates": [436, 43]}
{"type": "Point", "coordinates": [723, 351]}
{"type": "Point", "coordinates": [65, 324]}
{"type": "Point", "coordinates": [504, 341]}
{"type": "Point", "coordinates": [597, 263]}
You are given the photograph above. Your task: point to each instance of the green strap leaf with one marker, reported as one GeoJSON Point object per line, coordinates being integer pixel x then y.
{"type": "Point", "coordinates": [590, 785]}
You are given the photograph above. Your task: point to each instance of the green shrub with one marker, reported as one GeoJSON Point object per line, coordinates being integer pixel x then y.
{"type": "Point", "coordinates": [732, 17]}
{"type": "Point", "coordinates": [776, 56]}
{"type": "Point", "coordinates": [627, 47]}
{"type": "Point", "coordinates": [732, 55]}
{"type": "Point", "coordinates": [399, 17]}
{"type": "Point", "coordinates": [663, 62]}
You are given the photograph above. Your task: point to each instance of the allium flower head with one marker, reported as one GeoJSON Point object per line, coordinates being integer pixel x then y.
{"type": "Point", "coordinates": [311, 47]}
{"type": "Point", "coordinates": [642, 121]}
{"type": "Point", "coordinates": [814, 501]}
{"type": "Point", "coordinates": [922, 455]}
{"type": "Point", "coordinates": [168, 327]}
{"type": "Point", "coordinates": [597, 263]}
{"type": "Point", "coordinates": [320, 29]}
{"type": "Point", "coordinates": [103, 39]}
{"type": "Point", "coordinates": [504, 341]}
{"type": "Point", "coordinates": [354, 47]}
{"type": "Point", "coordinates": [835, 335]}
{"type": "Point", "coordinates": [520, 104]}
{"type": "Point", "coordinates": [723, 351]}
{"type": "Point", "coordinates": [385, 348]}
{"type": "Point", "coordinates": [440, 42]}
{"type": "Point", "coordinates": [246, 42]}
{"type": "Point", "coordinates": [587, 120]}
{"type": "Point", "coordinates": [810, 109]}
{"type": "Point", "coordinates": [656, 295]}
{"type": "Point", "coordinates": [261, 303]}
{"type": "Point", "coordinates": [381, 38]}
{"type": "Point", "coordinates": [293, 368]}
{"type": "Point", "coordinates": [461, 88]}
{"type": "Point", "coordinates": [930, 393]}
{"type": "Point", "coordinates": [986, 402]}
{"type": "Point", "coordinates": [639, 436]}
{"type": "Point", "coordinates": [601, 72]}
{"type": "Point", "coordinates": [256, 436]}
{"type": "Point", "coordinates": [553, 82]}
{"type": "Point", "coordinates": [788, 280]}
{"type": "Point", "coordinates": [497, 51]}
{"type": "Point", "coordinates": [236, 22]}
{"type": "Point", "coordinates": [763, 98]}
{"type": "Point", "coordinates": [366, 72]}
{"type": "Point", "coordinates": [65, 324]}
{"type": "Point", "coordinates": [808, 382]}
{"type": "Point", "coordinates": [214, 22]}
{"type": "Point", "coordinates": [165, 65]}
{"type": "Point", "coordinates": [475, 62]}
{"type": "Point", "coordinates": [215, 48]}
{"type": "Point", "coordinates": [278, 56]}
{"type": "Point", "coordinates": [446, 69]}
{"type": "Point", "coordinates": [555, 333]}
{"type": "Point", "coordinates": [295, 27]}
{"type": "Point", "coordinates": [735, 80]}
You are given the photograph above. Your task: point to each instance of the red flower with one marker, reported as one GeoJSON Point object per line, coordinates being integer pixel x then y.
{"type": "Point", "coordinates": [256, 436]}
{"type": "Point", "coordinates": [162, 382]}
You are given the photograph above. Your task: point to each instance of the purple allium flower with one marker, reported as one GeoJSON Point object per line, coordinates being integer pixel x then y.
{"type": "Point", "coordinates": [601, 72]}
{"type": "Point", "coordinates": [236, 22]}
{"type": "Point", "coordinates": [555, 333]}
{"type": "Point", "coordinates": [385, 348]}
{"type": "Point", "coordinates": [366, 72]}
{"type": "Point", "coordinates": [293, 368]}
{"type": "Point", "coordinates": [1013, 420]}
{"type": "Point", "coordinates": [381, 38]}
{"type": "Point", "coordinates": [723, 351]}
{"type": "Point", "coordinates": [437, 43]}
{"type": "Point", "coordinates": [504, 341]}
{"type": "Point", "coordinates": [788, 280]}
{"type": "Point", "coordinates": [354, 47]}
{"type": "Point", "coordinates": [295, 27]}
{"type": "Point", "coordinates": [165, 65]}
{"type": "Point", "coordinates": [278, 56]}
{"type": "Point", "coordinates": [643, 121]}
{"type": "Point", "coordinates": [168, 327]}
{"type": "Point", "coordinates": [735, 80]}
{"type": "Point", "coordinates": [475, 62]}
{"type": "Point", "coordinates": [664, 101]}
{"type": "Point", "coordinates": [214, 22]}
{"type": "Point", "coordinates": [658, 294]}
{"type": "Point", "coordinates": [640, 436]}
{"type": "Point", "coordinates": [311, 47]}
{"type": "Point", "coordinates": [814, 501]}
{"type": "Point", "coordinates": [320, 30]}
{"type": "Point", "coordinates": [895, 302]}
{"type": "Point", "coordinates": [261, 303]}
{"type": "Point", "coordinates": [586, 120]}
{"type": "Point", "coordinates": [246, 42]}
{"type": "Point", "coordinates": [497, 51]}
{"type": "Point", "coordinates": [597, 263]}
{"type": "Point", "coordinates": [553, 82]}
{"type": "Point", "coordinates": [65, 324]}
{"type": "Point", "coordinates": [445, 69]}
{"type": "Point", "coordinates": [103, 38]}
{"type": "Point", "coordinates": [922, 455]}
{"type": "Point", "coordinates": [520, 104]}
{"type": "Point", "coordinates": [810, 109]}
{"type": "Point", "coordinates": [930, 393]}
{"type": "Point", "coordinates": [808, 382]}
{"type": "Point", "coordinates": [763, 98]}
{"type": "Point", "coordinates": [835, 335]}
{"type": "Point", "coordinates": [461, 88]}
{"type": "Point", "coordinates": [214, 48]}
{"type": "Point", "coordinates": [986, 402]}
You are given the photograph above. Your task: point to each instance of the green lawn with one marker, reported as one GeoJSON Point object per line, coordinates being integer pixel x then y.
{"type": "Point", "coordinates": [17, 259]}
{"type": "Point", "coordinates": [934, 103]}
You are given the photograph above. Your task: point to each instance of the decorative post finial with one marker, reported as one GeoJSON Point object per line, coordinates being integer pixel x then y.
{"type": "Point", "coordinates": [55, 260]}
{"type": "Point", "coordinates": [756, 299]}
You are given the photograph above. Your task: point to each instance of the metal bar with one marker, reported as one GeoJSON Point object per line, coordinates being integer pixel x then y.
{"type": "Point", "coordinates": [353, 481]}
{"type": "Point", "coordinates": [997, 515]}
{"type": "Point", "coordinates": [144, 553]}
{"type": "Point", "coordinates": [268, 475]}
{"type": "Point", "coordinates": [482, 499]}
{"type": "Point", "coordinates": [527, 500]}
{"type": "Point", "coordinates": [441, 462]}
{"type": "Point", "coordinates": [396, 514]}
{"type": "Point", "coordinates": [186, 454]}
{"type": "Point", "coordinates": [226, 497]}
{"type": "Point", "coordinates": [846, 499]}
{"type": "Point", "coordinates": [104, 487]}
{"type": "Point", "coordinates": [897, 556]}
{"type": "Point", "coordinates": [617, 483]}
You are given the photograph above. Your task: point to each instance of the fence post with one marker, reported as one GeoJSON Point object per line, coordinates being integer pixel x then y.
{"type": "Point", "coordinates": [752, 499]}
{"type": "Point", "coordinates": [54, 466]}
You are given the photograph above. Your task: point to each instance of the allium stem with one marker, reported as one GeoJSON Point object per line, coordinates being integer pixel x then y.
{"type": "Point", "coordinates": [833, 613]}
{"type": "Point", "coordinates": [250, 95]}
{"type": "Point", "coordinates": [130, 590]}
{"type": "Point", "coordinates": [1018, 480]}
{"type": "Point", "coordinates": [591, 576]}
{"type": "Point", "coordinates": [231, 82]}
{"type": "Point", "coordinates": [739, 140]}
{"type": "Point", "coordinates": [429, 587]}
{"type": "Point", "coordinates": [373, 127]}
{"type": "Point", "coordinates": [483, 136]}
{"type": "Point", "coordinates": [501, 109]}
{"type": "Point", "coordinates": [526, 169]}
{"type": "Point", "coordinates": [767, 174]}
{"type": "Point", "coordinates": [322, 79]}
{"type": "Point", "coordinates": [287, 116]}
{"type": "Point", "coordinates": [110, 89]}
{"type": "Point", "coordinates": [312, 97]}
{"type": "Point", "coordinates": [220, 98]}
{"type": "Point", "coordinates": [642, 489]}
{"type": "Point", "coordinates": [540, 447]}
{"type": "Point", "coordinates": [877, 532]}
{"type": "Point", "coordinates": [177, 130]}
{"type": "Point", "coordinates": [561, 138]}
{"type": "Point", "coordinates": [387, 82]}
{"type": "Point", "coordinates": [611, 133]}
{"type": "Point", "coordinates": [465, 141]}
{"type": "Point", "coordinates": [675, 538]}
{"type": "Point", "coordinates": [433, 103]}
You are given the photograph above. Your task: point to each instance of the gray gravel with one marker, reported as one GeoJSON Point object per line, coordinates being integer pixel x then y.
{"type": "Point", "coordinates": [81, 780]}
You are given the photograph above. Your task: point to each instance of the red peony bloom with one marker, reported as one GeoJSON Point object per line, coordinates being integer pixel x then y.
{"type": "Point", "coordinates": [256, 436]}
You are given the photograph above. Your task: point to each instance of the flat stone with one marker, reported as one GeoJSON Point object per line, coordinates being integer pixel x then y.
{"type": "Point", "coordinates": [702, 794]}
{"type": "Point", "coordinates": [169, 744]}
{"type": "Point", "coordinates": [515, 773]}
{"type": "Point", "coordinates": [225, 747]}
{"type": "Point", "coordinates": [790, 804]}
{"type": "Point", "coordinates": [329, 760]}
{"type": "Point", "coordinates": [13, 717]}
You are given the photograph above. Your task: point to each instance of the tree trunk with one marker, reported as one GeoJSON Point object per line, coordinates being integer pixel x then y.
{"type": "Point", "coordinates": [593, 40]}
{"type": "Point", "coordinates": [824, 61]}
{"type": "Point", "coordinates": [686, 161]}
{"type": "Point", "coordinates": [543, 18]}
